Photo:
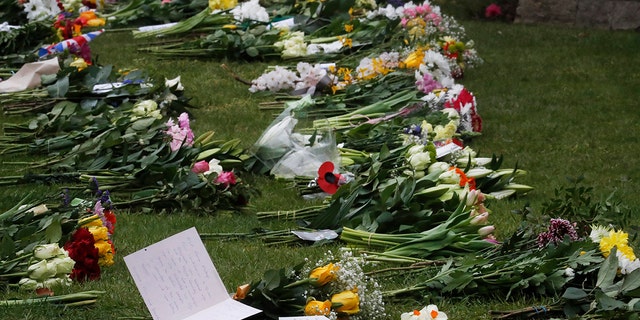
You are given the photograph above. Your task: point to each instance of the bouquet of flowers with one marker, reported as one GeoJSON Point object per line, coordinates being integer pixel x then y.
{"type": "Point", "coordinates": [335, 286]}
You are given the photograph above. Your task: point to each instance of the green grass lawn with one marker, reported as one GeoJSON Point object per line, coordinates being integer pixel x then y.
{"type": "Point", "coordinates": [556, 101]}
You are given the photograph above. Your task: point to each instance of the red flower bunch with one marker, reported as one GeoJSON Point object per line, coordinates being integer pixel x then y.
{"type": "Point", "coordinates": [82, 250]}
{"type": "Point", "coordinates": [462, 101]}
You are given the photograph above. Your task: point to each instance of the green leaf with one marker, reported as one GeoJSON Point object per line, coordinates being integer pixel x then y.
{"type": "Point", "coordinates": [59, 89]}
{"type": "Point", "coordinates": [608, 303]}
{"type": "Point", "coordinates": [142, 124]}
{"type": "Point", "coordinates": [631, 281]}
{"type": "Point", "coordinates": [53, 233]}
{"type": "Point", "coordinates": [573, 293]}
{"type": "Point", "coordinates": [608, 270]}
{"type": "Point", "coordinates": [252, 52]}
{"type": "Point", "coordinates": [7, 247]}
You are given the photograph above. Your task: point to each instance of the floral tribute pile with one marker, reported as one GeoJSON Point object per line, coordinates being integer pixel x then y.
{"type": "Point", "coordinates": [134, 136]}
{"type": "Point", "coordinates": [50, 245]}
{"type": "Point", "coordinates": [374, 127]}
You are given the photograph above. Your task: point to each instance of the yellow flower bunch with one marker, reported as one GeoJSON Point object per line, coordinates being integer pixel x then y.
{"type": "Point", "coordinates": [222, 4]}
{"type": "Point", "coordinates": [101, 237]}
{"type": "Point", "coordinates": [619, 239]}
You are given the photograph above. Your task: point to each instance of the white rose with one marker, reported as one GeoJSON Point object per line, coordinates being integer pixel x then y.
{"type": "Point", "coordinates": [47, 251]}
{"type": "Point", "coordinates": [63, 265]}
{"type": "Point", "coordinates": [420, 161]}
{"type": "Point", "coordinates": [28, 284]}
{"type": "Point", "coordinates": [438, 167]}
{"type": "Point", "coordinates": [42, 270]}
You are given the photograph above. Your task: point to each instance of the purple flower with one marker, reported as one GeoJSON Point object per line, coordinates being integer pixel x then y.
{"type": "Point", "coordinates": [396, 3]}
{"type": "Point", "coordinates": [427, 83]}
{"type": "Point", "coordinates": [557, 231]}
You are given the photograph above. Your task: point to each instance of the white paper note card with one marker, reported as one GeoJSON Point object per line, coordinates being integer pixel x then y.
{"type": "Point", "coordinates": [178, 281]}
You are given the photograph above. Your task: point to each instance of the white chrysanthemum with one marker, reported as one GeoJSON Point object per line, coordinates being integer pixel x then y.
{"type": "Point", "coordinates": [438, 66]}
{"type": "Point", "coordinates": [598, 232]}
{"type": "Point", "coordinates": [38, 10]}
{"type": "Point", "coordinates": [251, 10]}
{"type": "Point", "coordinates": [626, 265]}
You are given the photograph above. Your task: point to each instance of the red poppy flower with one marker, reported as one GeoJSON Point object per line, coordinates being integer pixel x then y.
{"type": "Point", "coordinates": [327, 180]}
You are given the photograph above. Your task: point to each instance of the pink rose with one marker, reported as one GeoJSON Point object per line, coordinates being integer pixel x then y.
{"type": "Point", "coordinates": [226, 178]}
{"type": "Point", "coordinates": [200, 167]}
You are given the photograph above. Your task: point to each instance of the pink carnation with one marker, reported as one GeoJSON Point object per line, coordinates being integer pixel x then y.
{"type": "Point", "coordinates": [200, 167]}
{"type": "Point", "coordinates": [226, 178]}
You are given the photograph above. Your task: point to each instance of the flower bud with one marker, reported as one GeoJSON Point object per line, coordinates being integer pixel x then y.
{"type": "Point", "coordinates": [42, 270]}
{"type": "Point", "coordinates": [449, 177]}
{"type": "Point", "coordinates": [200, 167]}
{"type": "Point", "coordinates": [438, 166]}
{"type": "Point", "coordinates": [170, 83]}
{"type": "Point", "coordinates": [63, 265]}
{"type": "Point", "coordinates": [28, 284]}
{"type": "Point", "coordinates": [486, 230]}
{"type": "Point", "coordinates": [317, 308]}
{"type": "Point", "coordinates": [480, 219]}
{"type": "Point", "coordinates": [241, 292]}
{"type": "Point", "coordinates": [418, 148]}
{"type": "Point", "coordinates": [47, 251]}
{"type": "Point", "coordinates": [347, 301]}
{"type": "Point", "coordinates": [323, 275]}
{"type": "Point", "coordinates": [420, 161]}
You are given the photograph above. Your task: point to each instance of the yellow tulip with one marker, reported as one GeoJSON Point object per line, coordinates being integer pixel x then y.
{"type": "Point", "coordinates": [323, 275]}
{"type": "Point", "coordinates": [346, 302]}
{"type": "Point", "coordinates": [317, 308]}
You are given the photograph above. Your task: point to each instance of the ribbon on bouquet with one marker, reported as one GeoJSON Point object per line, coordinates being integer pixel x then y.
{"type": "Point", "coordinates": [75, 42]}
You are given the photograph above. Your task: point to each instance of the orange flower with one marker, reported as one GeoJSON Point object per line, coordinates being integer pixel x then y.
{"type": "Point", "coordinates": [348, 27]}
{"type": "Point", "coordinates": [317, 308]}
{"type": "Point", "coordinates": [347, 301]}
{"type": "Point", "coordinates": [241, 292]}
{"type": "Point", "coordinates": [323, 275]}
{"type": "Point", "coordinates": [464, 180]}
